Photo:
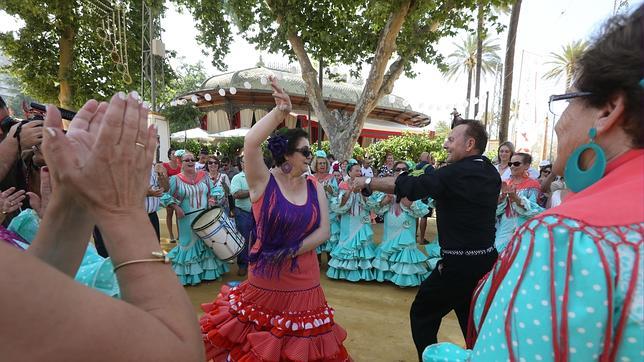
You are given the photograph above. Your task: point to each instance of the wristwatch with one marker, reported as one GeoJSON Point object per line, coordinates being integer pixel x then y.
{"type": "Point", "coordinates": [366, 190]}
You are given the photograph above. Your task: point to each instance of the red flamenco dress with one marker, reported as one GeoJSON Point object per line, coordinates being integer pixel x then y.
{"type": "Point", "coordinates": [280, 313]}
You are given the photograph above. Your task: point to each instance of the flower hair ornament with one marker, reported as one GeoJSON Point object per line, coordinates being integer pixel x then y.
{"type": "Point", "coordinates": [278, 145]}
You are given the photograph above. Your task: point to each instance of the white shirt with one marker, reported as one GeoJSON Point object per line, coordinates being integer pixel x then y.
{"type": "Point", "coordinates": [367, 172]}
{"type": "Point", "coordinates": [532, 173]}
{"type": "Point", "coordinates": [199, 166]}
{"type": "Point", "coordinates": [152, 202]}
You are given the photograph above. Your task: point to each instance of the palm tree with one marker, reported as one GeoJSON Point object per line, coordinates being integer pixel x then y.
{"type": "Point", "coordinates": [564, 63]}
{"type": "Point", "coordinates": [463, 60]}
{"type": "Point", "coordinates": [509, 71]}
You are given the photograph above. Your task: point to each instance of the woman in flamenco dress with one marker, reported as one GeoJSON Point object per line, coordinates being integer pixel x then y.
{"type": "Point", "coordinates": [280, 313]}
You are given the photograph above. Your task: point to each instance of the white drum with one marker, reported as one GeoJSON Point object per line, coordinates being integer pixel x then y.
{"type": "Point", "coordinates": [218, 231]}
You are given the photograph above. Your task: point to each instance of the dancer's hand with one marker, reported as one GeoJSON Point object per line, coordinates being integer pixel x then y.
{"type": "Point", "coordinates": [282, 100]}
{"type": "Point", "coordinates": [104, 159]}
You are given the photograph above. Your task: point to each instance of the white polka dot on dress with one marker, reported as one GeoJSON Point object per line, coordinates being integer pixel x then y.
{"type": "Point", "coordinates": [571, 314]}
{"type": "Point", "coordinates": [590, 310]}
{"type": "Point", "coordinates": [529, 306]}
{"type": "Point", "coordinates": [597, 287]}
{"type": "Point", "coordinates": [581, 330]}
{"type": "Point", "coordinates": [544, 303]}
{"type": "Point", "coordinates": [631, 340]}
{"type": "Point", "coordinates": [529, 341]}
{"type": "Point", "coordinates": [579, 293]}
{"type": "Point", "coordinates": [545, 338]}
{"type": "Point", "coordinates": [538, 357]}
{"type": "Point", "coordinates": [536, 322]}
{"type": "Point", "coordinates": [585, 272]}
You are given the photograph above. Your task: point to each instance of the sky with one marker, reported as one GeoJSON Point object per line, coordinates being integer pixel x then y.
{"type": "Point", "coordinates": [544, 27]}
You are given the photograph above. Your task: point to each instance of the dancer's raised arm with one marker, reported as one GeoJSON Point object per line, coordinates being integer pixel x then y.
{"type": "Point", "coordinates": [256, 171]}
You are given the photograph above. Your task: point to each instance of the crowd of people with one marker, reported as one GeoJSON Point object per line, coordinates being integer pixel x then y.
{"type": "Point", "coordinates": [537, 263]}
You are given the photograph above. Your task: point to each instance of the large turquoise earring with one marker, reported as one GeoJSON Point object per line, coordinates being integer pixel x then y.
{"type": "Point", "coordinates": [578, 179]}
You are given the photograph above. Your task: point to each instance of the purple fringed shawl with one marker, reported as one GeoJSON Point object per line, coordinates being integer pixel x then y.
{"type": "Point", "coordinates": [281, 227]}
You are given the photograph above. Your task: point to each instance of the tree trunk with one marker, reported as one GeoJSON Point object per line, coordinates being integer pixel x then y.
{"type": "Point", "coordinates": [469, 91]}
{"type": "Point", "coordinates": [343, 129]}
{"type": "Point", "coordinates": [508, 72]}
{"type": "Point", "coordinates": [65, 50]}
{"type": "Point", "coordinates": [479, 58]}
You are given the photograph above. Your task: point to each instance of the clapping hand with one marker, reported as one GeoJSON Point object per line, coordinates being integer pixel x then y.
{"type": "Point", "coordinates": [39, 203]}
{"type": "Point", "coordinates": [10, 201]}
{"type": "Point", "coordinates": [104, 159]}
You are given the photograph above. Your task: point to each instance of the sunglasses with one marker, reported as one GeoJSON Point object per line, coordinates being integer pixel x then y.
{"type": "Point", "coordinates": [546, 172]}
{"type": "Point", "coordinates": [305, 151]}
{"type": "Point", "coordinates": [189, 160]}
{"type": "Point", "coordinates": [398, 169]}
{"type": "Point", "coordinates": [515, 164]}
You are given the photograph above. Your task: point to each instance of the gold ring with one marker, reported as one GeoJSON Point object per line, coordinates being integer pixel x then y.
{"type": "Point", "coordinates": [140, 144]}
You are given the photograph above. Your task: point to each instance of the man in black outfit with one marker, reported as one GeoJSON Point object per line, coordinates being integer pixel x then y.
{"type": "Point", "coordinates": [465, 194]}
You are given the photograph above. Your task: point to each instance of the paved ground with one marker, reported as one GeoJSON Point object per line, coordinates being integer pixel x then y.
{"type": "Point", "coordinates": [375, 315]}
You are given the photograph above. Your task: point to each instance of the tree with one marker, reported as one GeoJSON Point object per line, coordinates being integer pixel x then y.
{"type": "Point", "coordinates": [508, 71]}
{"type": "Point", "coordinates": [182, 116]}
{"type": "Point", "coordinates": [59, 56]}
{"type": "Point", "coordinates": [388, 35]}
{"type": "Point", "coordinates": [565, 63]}
{"type": "Point", "coordinates": [464, 60]}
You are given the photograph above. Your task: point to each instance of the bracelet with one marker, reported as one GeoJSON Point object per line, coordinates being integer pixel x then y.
{"type": "Point", "coordinates": [158, 256]}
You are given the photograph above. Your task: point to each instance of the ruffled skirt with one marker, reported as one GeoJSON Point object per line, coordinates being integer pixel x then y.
{"type": "Point", "coordinates": [248, 323]}
{"type": "Point", "coordinates": [400, 262]}
{"type": "Point", "coordinates": [352, 259]}
{"type": "Point", "coordinates": [196, 263]}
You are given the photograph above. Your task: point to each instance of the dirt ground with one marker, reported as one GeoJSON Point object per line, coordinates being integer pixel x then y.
{"type": "Point", "coordinates": [375, 315]}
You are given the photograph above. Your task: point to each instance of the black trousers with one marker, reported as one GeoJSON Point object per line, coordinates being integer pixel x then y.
{"type": "Point", "coordinates": [444, 291]}
{"type": "Point", "coordinates": [100, 245]}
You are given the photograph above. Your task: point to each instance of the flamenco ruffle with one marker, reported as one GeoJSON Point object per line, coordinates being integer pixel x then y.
{"type": "Point", "coordinates": [328, 245]}
{"type": "Point", "coordinates": [352, 260]}
{"type": "Point", "coordinates": [196, 263]}
{"type": "Point", "coordinates": [98, 273]}
{"type": "Point", "coordinates": [247, 323]}
{"type": "Point", "coordinates": [400, 262]}
{"type": "Point", "coordinates": [433, 251]}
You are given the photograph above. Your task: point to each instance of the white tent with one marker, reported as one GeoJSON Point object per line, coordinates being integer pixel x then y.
{"type": "Point", "coordinates": [237, 132]}
{"type": "Point", "coordinates": [192, 134]}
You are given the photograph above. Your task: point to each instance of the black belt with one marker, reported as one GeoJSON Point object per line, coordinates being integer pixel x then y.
{"type": "Point", "coordinates": [468, 252]}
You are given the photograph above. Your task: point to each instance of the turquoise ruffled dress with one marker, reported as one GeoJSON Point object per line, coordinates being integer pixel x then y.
{"type": "Point", "coordinates": [559, 269]}
{"type": "Point", "coordinates": [398, 259]}
{"type": "Point", "coordinates": [191, 259]}
{"type": "Point", "coordinates": [95, 271]}
{"type": "Point", "coordinates": [512, 216]}
{"type": "Point", "coordinates": [433, 251]}
{"type": "Point", "coordinates": [351, 258]}
{"type": "Point", "coordinates": [334, 218]}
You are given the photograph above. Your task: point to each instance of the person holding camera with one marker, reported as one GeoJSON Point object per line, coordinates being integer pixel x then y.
{"type": "Point", "coordinates": [99, 172]}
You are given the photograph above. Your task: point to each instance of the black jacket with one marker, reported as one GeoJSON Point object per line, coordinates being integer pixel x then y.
{"type": "Point", "coordinates": [465, 194]}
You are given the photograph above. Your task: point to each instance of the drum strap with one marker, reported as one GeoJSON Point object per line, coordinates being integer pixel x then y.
{"type": "Point", "coordinates": [192, 212]}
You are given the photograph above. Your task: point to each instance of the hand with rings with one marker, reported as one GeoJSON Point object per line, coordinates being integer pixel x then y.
{"type": "Point", "coordinates": [97, 161]}
{"type": "Point", "coordinates": [10, 201]}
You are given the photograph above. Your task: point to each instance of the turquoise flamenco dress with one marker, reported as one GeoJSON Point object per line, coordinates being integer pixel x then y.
{"type": "Point", "coordinates": [351, 258]}
{"type": "Point", "coordinates": [512, 215]}
{"type": "Point", "coordinates": [398, 259]}
{"type": "Point", "coordinates": [94, 271]}
{"type": "Point", "coordinates": [334, 219]}
{"type": "Point", "coordinates": [191, 259]}
{"type": "Point", "coordinates": [570, 284]}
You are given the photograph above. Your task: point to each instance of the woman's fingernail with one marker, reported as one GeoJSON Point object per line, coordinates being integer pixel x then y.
{"type": "Point", "coordinates": [135, 95]}
{"type": "Point", "coordinates": [145, 105]}
{"type": "Point", "coordinates": [121, 95]}
{"type": "Point", "coordinates": [51, 131]}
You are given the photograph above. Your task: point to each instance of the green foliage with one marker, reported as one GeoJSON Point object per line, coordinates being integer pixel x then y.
{"type": "Point", "coordinates": [463, 59]}
{"type": "Point", "coordinates": [182, 117]}
{"type": "Point", "coordinates": [565, 62]}
{"type": "Point", "coordinates": [35, 56]}
{"type": "Point", "coordinates": [407, 147]}
{"type": "Point", "coordinates": [193, 146]}
{"type": "Point", "coordinates": [231, 147]}
{"type": "Point", "coordinates": [492, 154]}
{"type": "Point", "coordinates": [339, 31]}
{"type": "Point", "coordinates": [188, 77]}
{"type": "Point", "coordinates": [358, 151]}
